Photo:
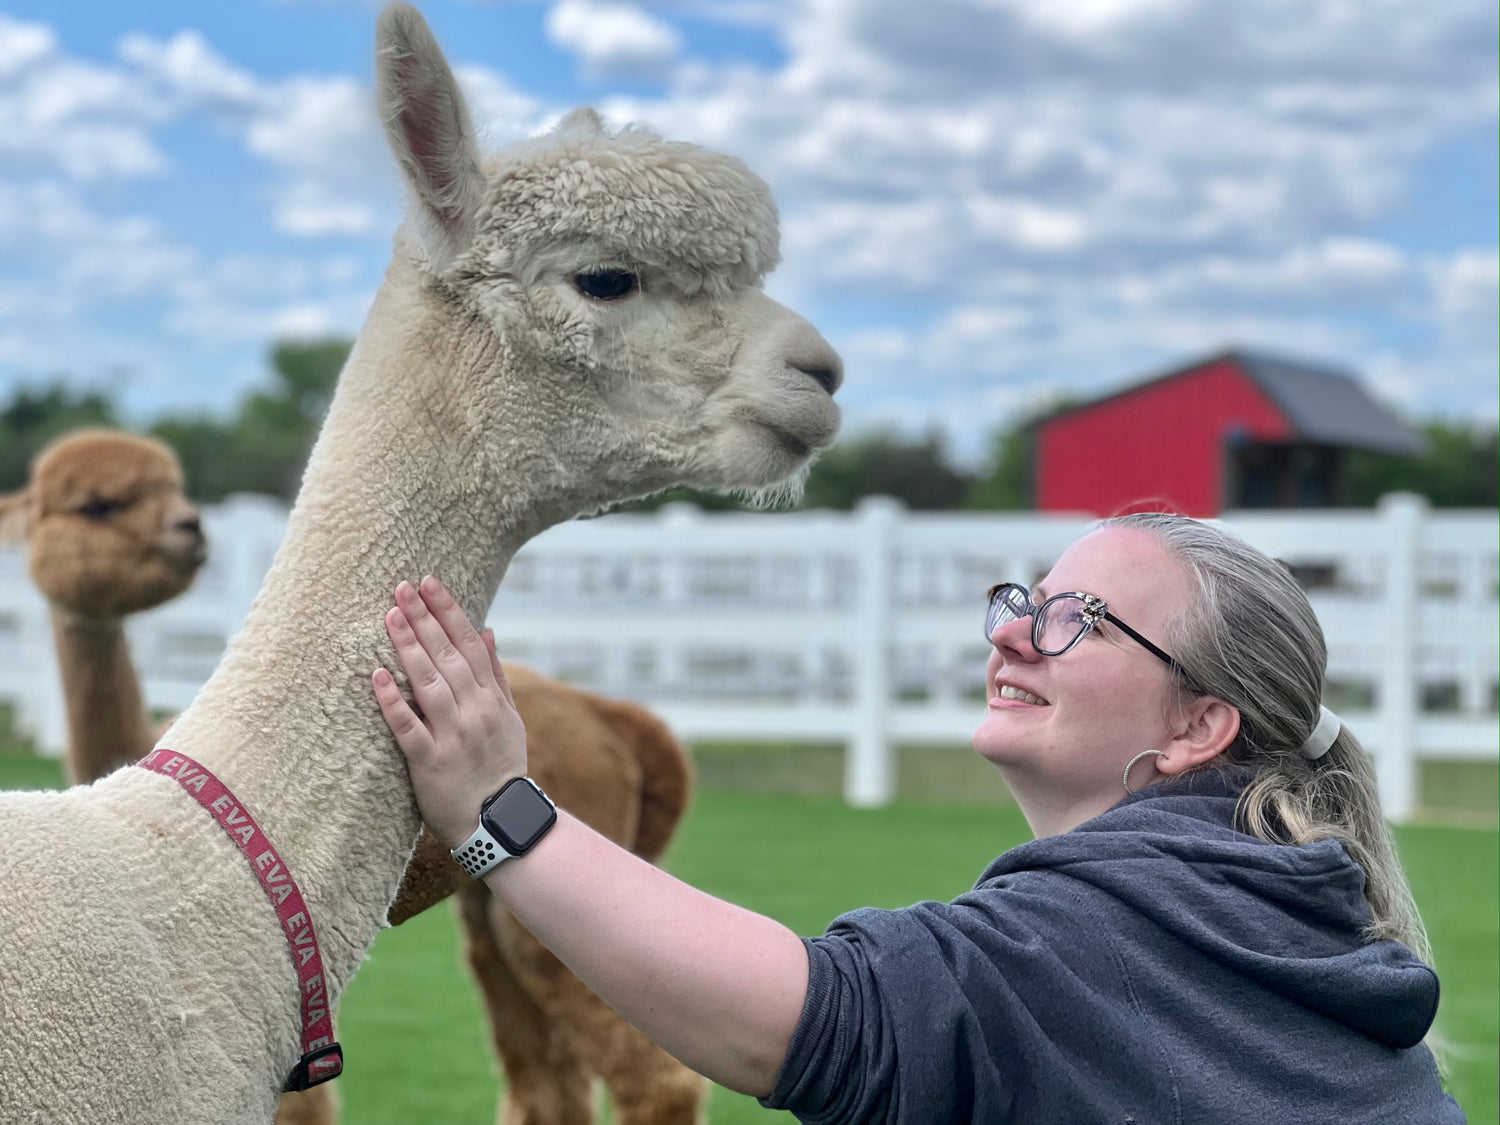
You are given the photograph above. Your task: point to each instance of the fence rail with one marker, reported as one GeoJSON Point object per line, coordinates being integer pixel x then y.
{"type": "Point", "coordinates": [861, 627]}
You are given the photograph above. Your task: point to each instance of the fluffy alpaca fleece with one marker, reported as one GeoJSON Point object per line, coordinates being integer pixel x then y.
{"type": "Point", "coordinates": [144, 976]}
{"type": "Point", "coordinates": [110, 533]}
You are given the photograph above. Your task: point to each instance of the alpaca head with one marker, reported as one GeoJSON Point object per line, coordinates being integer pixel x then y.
{"type": "Point", "coordinates": [110, 531]}
{"type": "Point", "coordinates": [624, 272]}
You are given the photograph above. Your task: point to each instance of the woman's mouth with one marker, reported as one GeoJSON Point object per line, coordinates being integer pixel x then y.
{"type": "Point", "coordinates": [1020, 695]}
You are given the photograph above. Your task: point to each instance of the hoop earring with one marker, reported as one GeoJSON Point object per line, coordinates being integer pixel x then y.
{"type": "Point", "coordinates": [1125, 780]}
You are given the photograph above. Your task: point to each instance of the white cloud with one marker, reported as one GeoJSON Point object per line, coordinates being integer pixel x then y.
{"type": "Point", "coordinates": [1085, 18]}
{"type": "Point", "coordinates": [323, 133]}
{"type": "Point", "coordinates": [1032, 226]}
{"type": "Point", "coordinates": [306, 208]}
{"type": "Point", "coordinates": [191, 69]}
{"type": "Point", "coordinates": [1467, 287]}
{"type": "Point", "coordinates": [23, 45]}
{"type": "Point", "coordinates": [501, 112]}
{"type": "Point", "coordinates": [87, 121]}
{"type": "Point", "coordinates": [314, 123]}
{"type": "Point", "coordinates": [613, 39]}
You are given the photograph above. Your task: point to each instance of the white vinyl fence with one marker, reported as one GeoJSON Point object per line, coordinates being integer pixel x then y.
{"type": "Point", "coordinates": [862, 628]}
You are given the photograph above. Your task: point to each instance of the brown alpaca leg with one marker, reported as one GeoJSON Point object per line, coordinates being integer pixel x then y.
{"type": "Point", "coordinates": [546, 1082]}
{"type": "Point", "coordinates": [648, 1086]}
{"type": "Point", "coordinates": [318, 1106]}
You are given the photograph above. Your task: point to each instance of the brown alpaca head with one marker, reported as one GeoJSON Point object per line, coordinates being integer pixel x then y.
{"type": "Point", "coordinates": [110, 530]}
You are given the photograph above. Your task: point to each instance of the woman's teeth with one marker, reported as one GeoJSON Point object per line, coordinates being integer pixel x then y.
{"type": "Point", "coordinates": [1009, 691]}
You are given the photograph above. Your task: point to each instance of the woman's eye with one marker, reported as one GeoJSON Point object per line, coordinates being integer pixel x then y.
{"type": "Point", "coordinates": [606, 285]}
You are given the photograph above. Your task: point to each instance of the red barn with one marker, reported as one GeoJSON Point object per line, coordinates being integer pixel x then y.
{"type": "Point", "coordinates": [1236, 430]}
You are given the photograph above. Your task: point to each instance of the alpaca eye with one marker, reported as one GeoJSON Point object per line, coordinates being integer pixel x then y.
{"type": "Point", "coordinates": [99, 508]}
{"type": "Point", "coordinates": [606, 285]}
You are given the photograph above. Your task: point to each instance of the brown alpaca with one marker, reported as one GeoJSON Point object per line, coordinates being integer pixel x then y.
{"type": "Point", "coordinates": [111, 534]}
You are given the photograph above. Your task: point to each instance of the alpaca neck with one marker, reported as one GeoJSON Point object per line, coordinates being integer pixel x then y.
{"type": "Point", "coordinates": [107, 725]}
{"type": "Point", "coordinates": [403, 482]}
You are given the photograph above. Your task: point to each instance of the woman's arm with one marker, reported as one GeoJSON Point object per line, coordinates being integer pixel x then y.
{"type": "Point", "coordinates": [719, 987]}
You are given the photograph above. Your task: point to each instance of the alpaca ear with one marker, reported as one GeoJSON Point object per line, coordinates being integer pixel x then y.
{"type": "Point", "coordinates": [583, 121]}
{"type": "Point", "coordinates": [15, 517]}
{"type": "Point", "coordinates": [430, 133]}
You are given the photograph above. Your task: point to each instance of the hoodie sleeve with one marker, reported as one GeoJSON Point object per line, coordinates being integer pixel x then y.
{"type": "Point", "coordinates": [940, 1011]}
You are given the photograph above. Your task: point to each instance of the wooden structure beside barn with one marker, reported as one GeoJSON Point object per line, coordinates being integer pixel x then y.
{"type": "Point", "coordinates": [1236, 430]}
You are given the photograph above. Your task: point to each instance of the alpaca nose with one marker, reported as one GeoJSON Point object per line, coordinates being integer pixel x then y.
{"type": "Point", "coordinates": [189, 524]}
{"type": "Point", "coordinates": [829, 376]}
{"type": "Point", "coordinates": [809, 353]}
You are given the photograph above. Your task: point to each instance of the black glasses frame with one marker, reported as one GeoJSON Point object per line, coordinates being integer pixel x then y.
{"type": "Point", "coordinates": [1095, 610]}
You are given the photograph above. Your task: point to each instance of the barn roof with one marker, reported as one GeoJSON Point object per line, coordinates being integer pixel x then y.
{"type": "Point", "coordinates": [1323, 405]}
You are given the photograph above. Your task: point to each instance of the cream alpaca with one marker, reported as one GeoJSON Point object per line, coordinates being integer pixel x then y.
{"type": "Point", "coordinates": [110, 534]}
{"type": "Point", "coordinates": [144, 977]}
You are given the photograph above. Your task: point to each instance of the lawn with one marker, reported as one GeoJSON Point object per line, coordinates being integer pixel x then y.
{"type": "Point", "coordinates": [415, 1039]}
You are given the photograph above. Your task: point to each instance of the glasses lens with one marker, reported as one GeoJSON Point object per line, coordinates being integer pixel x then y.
{"type": "Point", "coordinates": [1007, 603]}
{"type": "Point", "coordinates": [1059, 623]}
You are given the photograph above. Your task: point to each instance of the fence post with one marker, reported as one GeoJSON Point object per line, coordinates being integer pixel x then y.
{"type": "Point", "coordinates": [1396, 763]}
{"type": "Point", "coordinates": [47, 711]}
{"type": "Point", "coordinates": [869, 761]}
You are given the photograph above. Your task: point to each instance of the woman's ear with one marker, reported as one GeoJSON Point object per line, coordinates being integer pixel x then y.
{"type": "Point", "coordinates": [1205, 728]}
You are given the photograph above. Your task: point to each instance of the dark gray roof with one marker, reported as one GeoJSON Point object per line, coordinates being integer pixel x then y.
{"type": "Point", "coordinates": [1328, 407]}
{"type": "Point", "coordinates": [1324, 406]}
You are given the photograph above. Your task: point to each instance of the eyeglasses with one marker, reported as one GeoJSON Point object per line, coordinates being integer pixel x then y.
{"type": "Point", "coordinates": [1061, 621]}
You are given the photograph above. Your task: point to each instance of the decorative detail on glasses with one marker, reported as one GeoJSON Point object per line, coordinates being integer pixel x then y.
{"type": "Point", "coordinates": [1094, 610]}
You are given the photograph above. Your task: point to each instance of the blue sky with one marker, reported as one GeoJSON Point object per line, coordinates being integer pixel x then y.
{"type": "Point", "coordinates": [985, 203]}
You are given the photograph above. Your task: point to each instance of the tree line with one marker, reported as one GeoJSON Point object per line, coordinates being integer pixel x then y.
{"type": "Point", "coordinates": [263, 446]}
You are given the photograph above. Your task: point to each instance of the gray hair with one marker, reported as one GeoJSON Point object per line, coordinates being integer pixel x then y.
{"type": "Point", "coordinates": [1250, 638]}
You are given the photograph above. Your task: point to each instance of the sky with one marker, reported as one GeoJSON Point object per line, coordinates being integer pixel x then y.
{"type": "Point", "coordinates": [985, 204]}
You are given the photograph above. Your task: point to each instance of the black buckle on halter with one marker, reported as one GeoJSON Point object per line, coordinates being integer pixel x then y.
{"type": "Point", "coordinates": [315, 1068]}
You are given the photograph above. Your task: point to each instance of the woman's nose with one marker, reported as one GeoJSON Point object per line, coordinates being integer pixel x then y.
{"type": "Point", "coordinates": [1015, 637]}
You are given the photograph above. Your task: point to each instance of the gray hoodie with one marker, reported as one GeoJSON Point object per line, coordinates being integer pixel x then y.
{"type": "Point", "coordinates": [1152, 965]}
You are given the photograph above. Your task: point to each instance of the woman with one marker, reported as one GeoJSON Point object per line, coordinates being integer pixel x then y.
{"type": "Point", "coordinates": [1211, 925]}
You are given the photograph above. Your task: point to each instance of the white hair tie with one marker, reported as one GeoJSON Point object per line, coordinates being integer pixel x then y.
{"type": "Point", "coordinates": [1323, 735]}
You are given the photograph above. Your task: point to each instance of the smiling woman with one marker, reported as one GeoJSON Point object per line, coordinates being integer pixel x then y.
{"type": "Point", "coordinates": [1225, 936]}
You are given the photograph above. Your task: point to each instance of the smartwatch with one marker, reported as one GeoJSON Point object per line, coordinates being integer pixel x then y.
{"type": "Point", "coordinates": [510, 824]}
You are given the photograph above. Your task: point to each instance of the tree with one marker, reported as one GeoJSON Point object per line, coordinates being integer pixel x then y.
{"type": "Point", "coordinates": [36, 415]}
{"type": "Point", "coordinates": [875, 464]}
{"type": "Point", "coordinates": [1008, 481]}
{"type": "Point", "coordinates": [881, 464]}
{"type": "Point", "coordinates": [1006, 484]}
{"type": "Point", "coordinates": [264, 447]}
{"type": "Point", "coordinates": [1458, 469]}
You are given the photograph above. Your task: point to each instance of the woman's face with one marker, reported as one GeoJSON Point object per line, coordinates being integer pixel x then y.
{"type": "Point", "coordinates": [1080, 717]}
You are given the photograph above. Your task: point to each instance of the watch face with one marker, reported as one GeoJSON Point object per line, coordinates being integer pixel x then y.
{"type": "Point", "coordinates": [518, 816]}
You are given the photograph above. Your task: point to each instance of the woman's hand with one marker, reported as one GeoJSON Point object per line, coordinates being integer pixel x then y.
{"type": "Point", "coordinates": [467, 739]}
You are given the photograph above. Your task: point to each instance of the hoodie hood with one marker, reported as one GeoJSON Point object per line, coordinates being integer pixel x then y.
{"type": "Point", "coordinates": [1289, 918]}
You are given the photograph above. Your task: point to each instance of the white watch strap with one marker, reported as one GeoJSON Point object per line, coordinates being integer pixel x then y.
{"type": "Point", "coordinates": [480, 852]}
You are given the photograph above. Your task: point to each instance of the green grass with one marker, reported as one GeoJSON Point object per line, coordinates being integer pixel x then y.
{"type": "Point", "coordinates": [1454, 873]}
{"type": "Point", "coordinates": [415, 1038]}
